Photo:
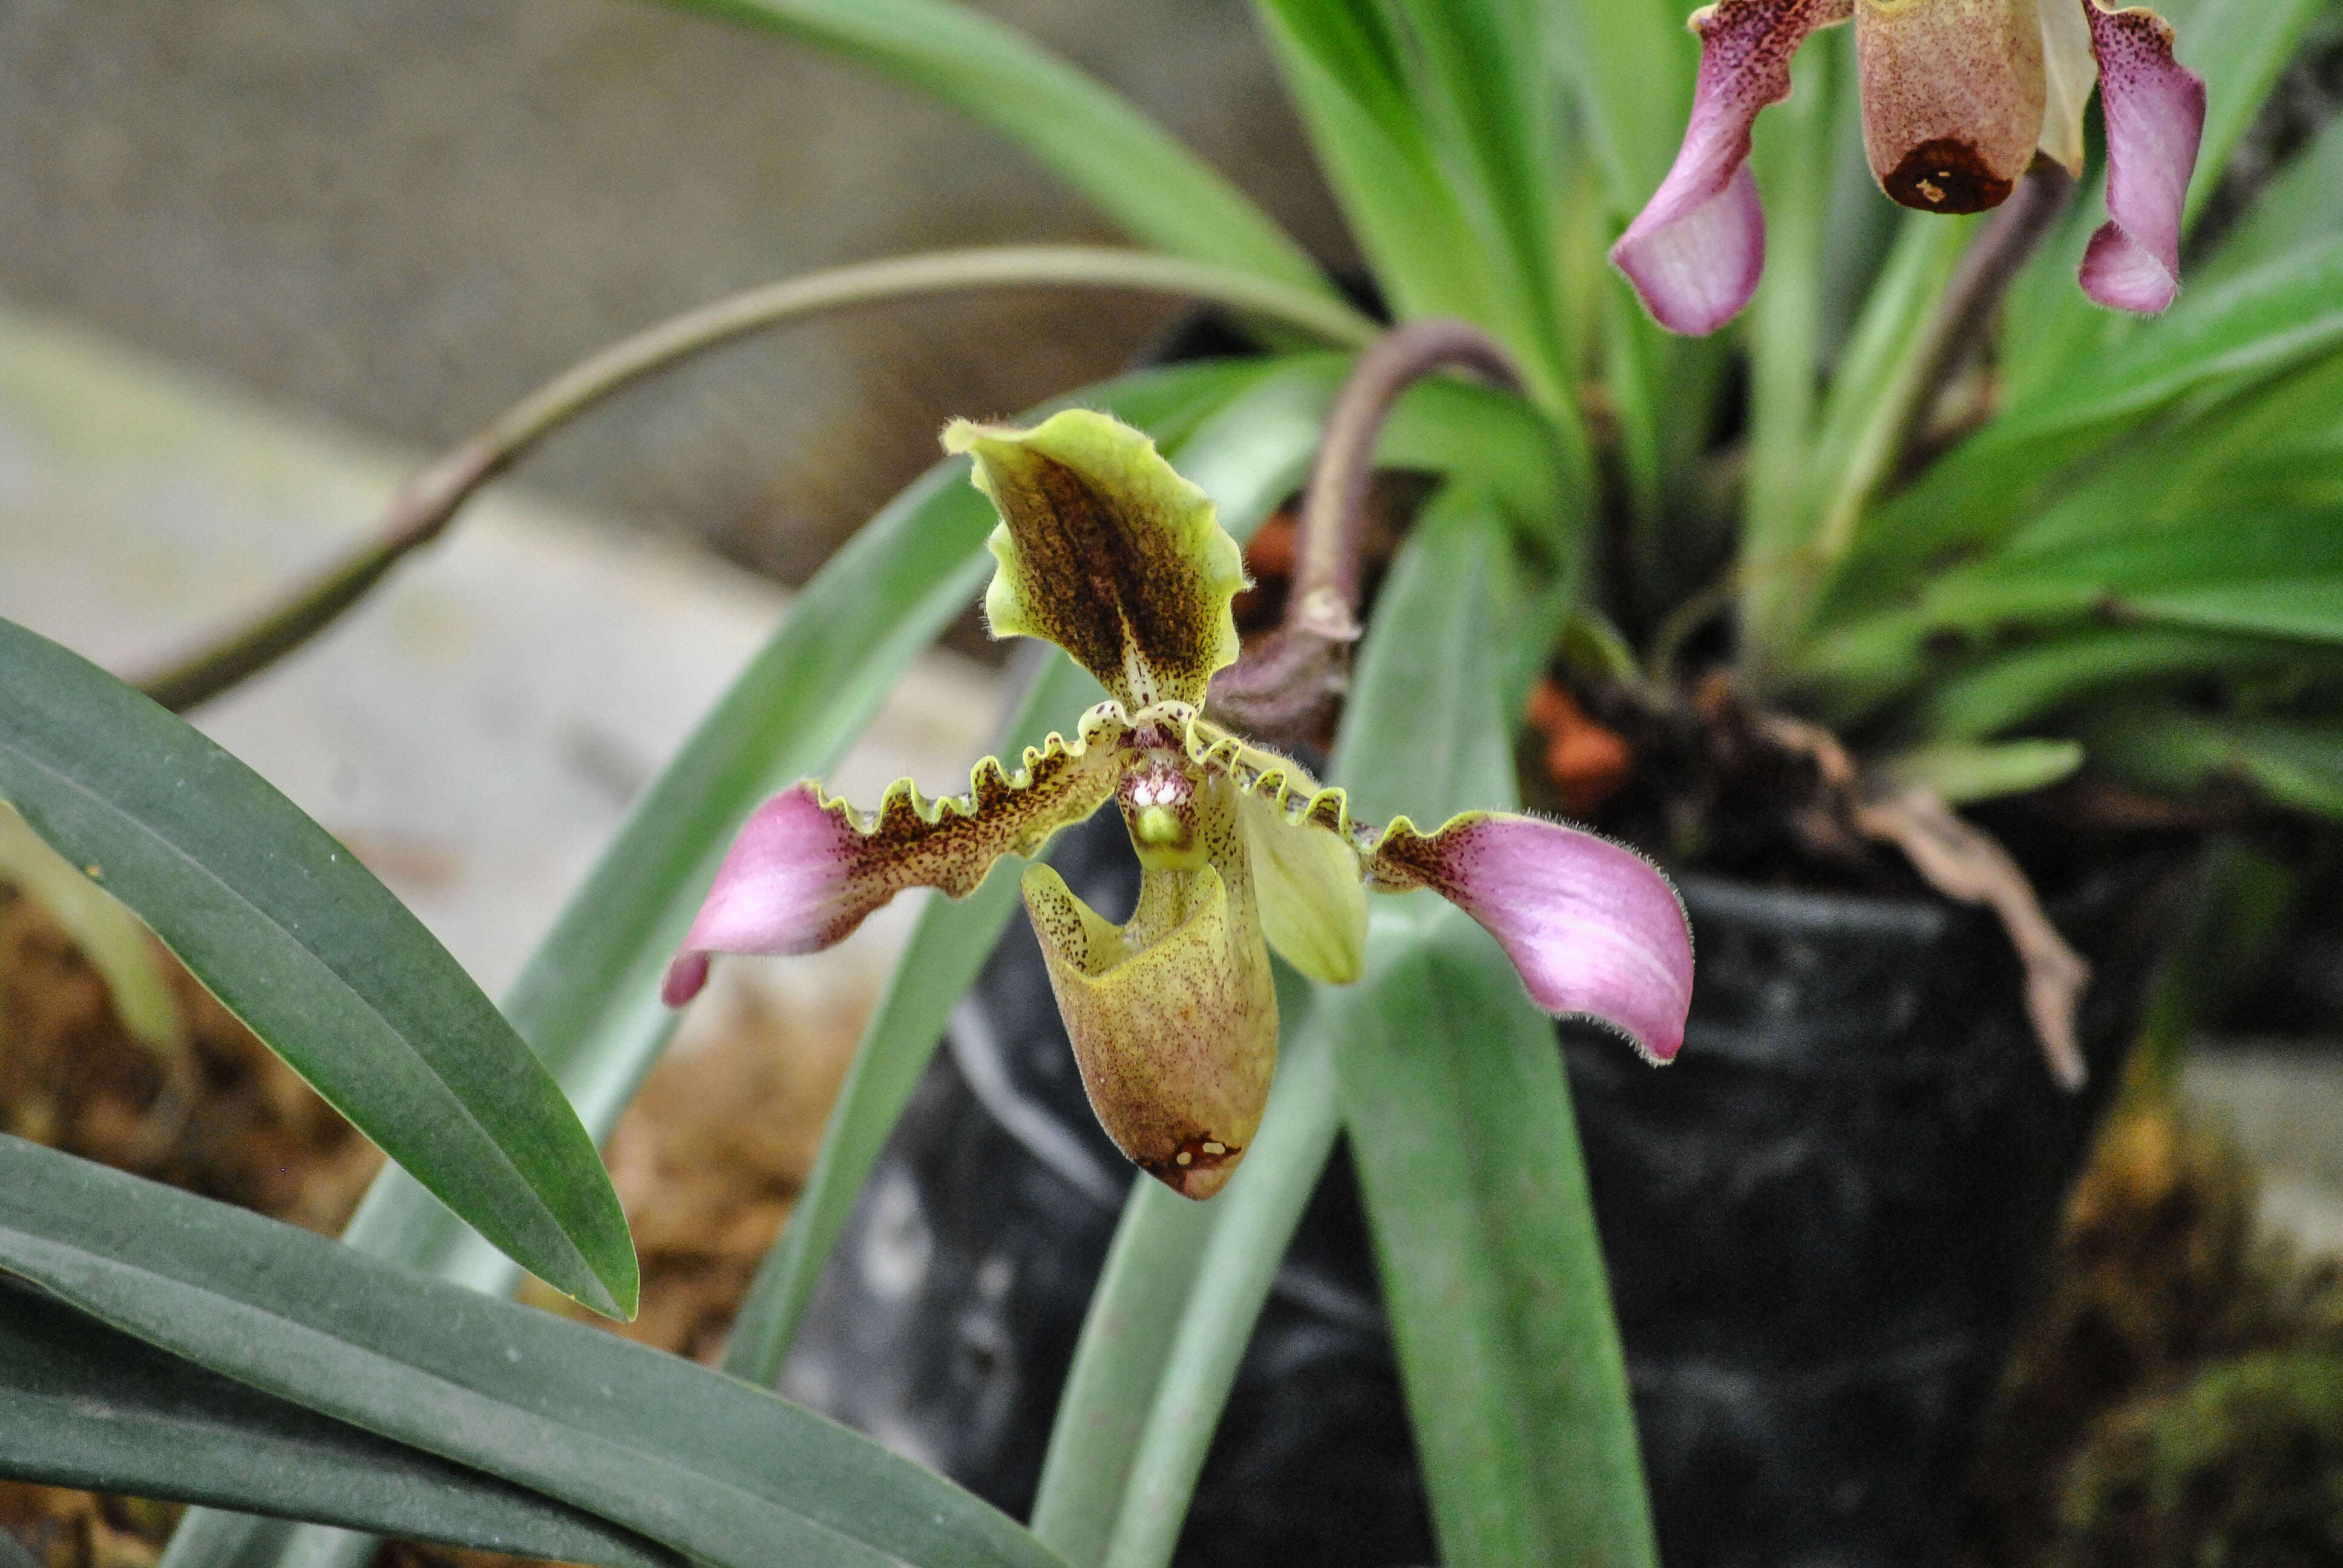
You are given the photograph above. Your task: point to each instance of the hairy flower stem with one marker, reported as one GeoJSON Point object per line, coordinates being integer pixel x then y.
{"type": "Point", "coordinates": [1964, 313]}
{"type": "Point", "coordinates": [427, 503]}
{"type": "Point", "coordinates": [1285, 689]}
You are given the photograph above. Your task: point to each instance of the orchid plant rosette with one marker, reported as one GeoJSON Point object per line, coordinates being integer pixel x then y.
{"type": "Point", "coordinates": [1104, 550]}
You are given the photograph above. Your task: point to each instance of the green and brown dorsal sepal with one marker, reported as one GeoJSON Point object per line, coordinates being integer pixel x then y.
{"type": "Point", "coordinates": [1106, 551]}
{"type": "Point", "coordinates": [1173, 1013]}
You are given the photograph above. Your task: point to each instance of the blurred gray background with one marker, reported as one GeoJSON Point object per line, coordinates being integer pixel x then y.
{"type": "Point", "coordinates": [404, 214]}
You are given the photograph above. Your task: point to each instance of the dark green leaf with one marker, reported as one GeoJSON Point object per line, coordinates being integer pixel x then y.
{"type": "Point", "coordinates": [1459, 1121]}
{"type": "Point", "coordinates": [1963, 770]}
{"type": "Point", "coordinates": [2277, 315]}
{"type": "Point", "coordinates": [1424, 734]}
{"type": "Point", "coordinates": [1631, 64]}
{"type": "Point", "coordinates": [2239, 48]}
{"type": "Point", "coordinates": [2007, 689]}
{"type": "Point", "coordinates": [2113, 572]}
{"type": "Point", "coordinates": [2217, 342]}
{"type": "Point", "coordinates": [1342, 62]}
{"type": "Point", "coordinates": [696, 1461]}
{"type": "Point", "coordinates": [2295, 764]}
{"type": "Point", "coordinates": [2306, 606]}
{"type": "Point", "coordinates": [301, 942]}
{"type": "Point", "coordinates": [1478, 73]}
{"type": "Point", "coordinates": [89, 1406]}
{"type": "Point", "coordinates": [1135, 172]}
{"type": "Point", "coordinates": [1142, 1294]}
{"type": "Point", "coordinates": [2277, 447]}
{"type": "Point", "coordinates": [2301, 205]}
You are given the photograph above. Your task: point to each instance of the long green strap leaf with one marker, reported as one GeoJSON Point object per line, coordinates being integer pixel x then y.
{"type": "Point", "coordinates": [1453, 1091]}
{"type": "Point", "coordinates": [82, 1404]}
{"type": "Point", "coordinates": [1459, 1118]}
{"type": "Point", "coordinates": [702, 1463]}
{"type": "Point", "coordinates": [2310, 607]}
{"type": "Point", "coordinates": [1151, 1269]}
{"type": "Point", "coordinates": [2225, 340]}
{"type": "Point", "coordinates": [300, 941]}
{"type": "Point", "coordinates": [1136, 173]}
{"type": "Point", "coordinates": [2299, 766]}
{"type": "Point", "coordinates": [2239, 48]}
{"type": "Point", "coordinates": [1341, 66]}
{"type": "Point", "coordinates": [1631, 65]}
{"type": "Point", "coordinates": [2302, 204]}
{"type": "Point", "coordinates": [2008, 689]}
{"type": "Point", "coordinates": [2277, 315]}
{"type": "Point", "coordinates": [1238, 1263]}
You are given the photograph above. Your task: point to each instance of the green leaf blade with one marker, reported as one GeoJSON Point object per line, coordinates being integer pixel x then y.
{"type": "Point", "coordinates": [696, 1460]}
{"type": "Point", "coordinates": [1094, 139]}
{"type": "Point", "coordinates": [1450, 1088]}
{"type": "Point", "coordinates": [88, 1406]}
{"type": "Point", "coordinates": [302, 942]}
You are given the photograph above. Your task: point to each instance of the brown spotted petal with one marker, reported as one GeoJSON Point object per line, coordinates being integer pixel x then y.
{"type": "Point", "coordinates": [1953, 97]}
{"type": "Point", "coordinates": [1107, 552]}
{"type": "Point", "coordinates": [1593, 929]}
{"type": "Point", "coordinates": [2154, 111]}
{"type": "Point", "coordinates": [1696, 249]}
{"type": "Point", "coordinates": [1173, 1018]}
{"type": "Point", "coordinates": [807, 869]}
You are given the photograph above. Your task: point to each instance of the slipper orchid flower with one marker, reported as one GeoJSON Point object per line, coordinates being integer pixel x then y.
{"type": "Point", "coordinates": [1957, 97]}
{"type": "Point", "coordinates": [1107, 552]}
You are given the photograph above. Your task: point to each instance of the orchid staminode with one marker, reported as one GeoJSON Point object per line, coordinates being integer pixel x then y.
{"type": "Point", "coordinates": [1103, 550]}
{"type": "Point", "coordinates": [1958, 95]}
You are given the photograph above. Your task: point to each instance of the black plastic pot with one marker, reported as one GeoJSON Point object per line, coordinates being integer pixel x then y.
{"type": "Point", "coordinates": [1822, 1224]}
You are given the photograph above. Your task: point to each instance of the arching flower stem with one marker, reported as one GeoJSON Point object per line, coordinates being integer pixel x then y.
{"type": "Point", "coordinates": [1963, 312]}
{"type": "Point", "coordinates": [1285, 687]}
{"type": "Point", "coordinates": [425, 505]}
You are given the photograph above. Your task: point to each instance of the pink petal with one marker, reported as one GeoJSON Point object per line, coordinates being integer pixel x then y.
{"type": "Point", "coordinates": [805, 871]}
{"type": "Point", "coordinates": [2155, 111]}
{"type": "Point", "coordinates": [1593, 927]}
{"type": "Point", "coordinates": [1696, 249]}
{"type": "Point", "coordinates": [784, 888]}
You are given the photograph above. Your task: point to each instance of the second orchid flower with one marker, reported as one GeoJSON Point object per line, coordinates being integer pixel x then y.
{"type": "Point", "coordinates": [1958, 95]}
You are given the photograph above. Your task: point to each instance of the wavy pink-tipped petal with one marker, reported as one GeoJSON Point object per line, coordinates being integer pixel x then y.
{"type": "Point", "coordinates": [2154, 111]}
{"type": "Point", "coordinates": [1593, 927]}
{"type": "Point", "coordinates": [806, 871]}
{"type": "Point", "coordinates": [1696, 251]}
{"type": "Point", "coordinates": [784, 888]}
